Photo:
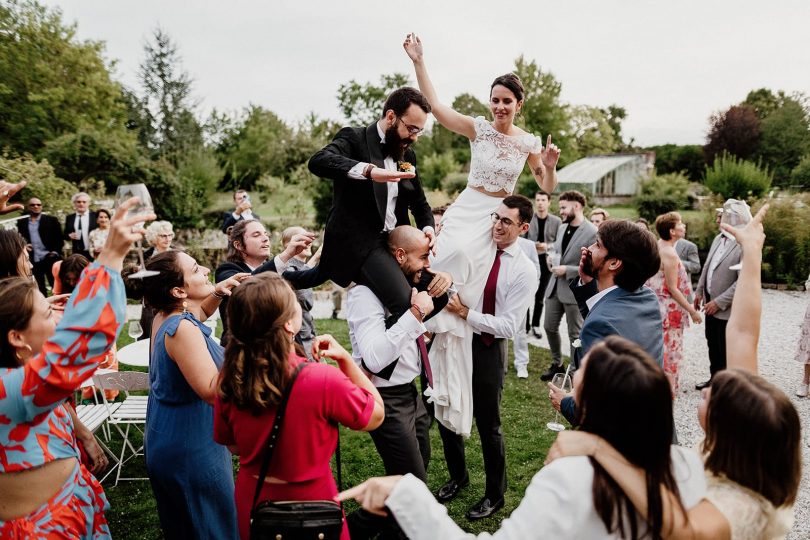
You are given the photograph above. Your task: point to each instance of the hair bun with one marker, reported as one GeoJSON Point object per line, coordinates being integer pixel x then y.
{"type": "Point", "coordinates": [134, 286]}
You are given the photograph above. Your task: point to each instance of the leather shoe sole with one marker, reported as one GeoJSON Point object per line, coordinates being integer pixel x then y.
{"type": "Point", "coordinates": [484, 509]}
{"type": "Point", "coordinates": [552, 370]}
{"type": "Point", "coordinates": [450, 490]}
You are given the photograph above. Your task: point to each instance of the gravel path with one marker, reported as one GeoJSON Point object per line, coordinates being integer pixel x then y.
{"type": "Point", "coordinates": [782, 314]}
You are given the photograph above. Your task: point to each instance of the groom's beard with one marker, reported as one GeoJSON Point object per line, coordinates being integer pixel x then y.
{"type": "Point", "coordinates": [393, 145]}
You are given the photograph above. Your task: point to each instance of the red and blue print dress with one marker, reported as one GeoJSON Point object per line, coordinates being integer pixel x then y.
{"type": "Point", "coordinates": [35, 428]}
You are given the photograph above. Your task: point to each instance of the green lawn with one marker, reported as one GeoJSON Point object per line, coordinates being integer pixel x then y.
{"type": "Point", "coordinates": [525, 412]}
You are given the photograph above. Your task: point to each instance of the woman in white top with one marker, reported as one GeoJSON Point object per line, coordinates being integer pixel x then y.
{"type": "Point", "coordinates": [465, 249]}
{"type": "Point", "coordinates": [622, 394]}
{"type": "Point", "coordinates": [98, 236]}
{"type": "Point", "coordinates": [752, 446]}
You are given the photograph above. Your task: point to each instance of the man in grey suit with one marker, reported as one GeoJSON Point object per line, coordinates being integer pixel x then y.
{"type": "Point", "coordinates": [688, 254]}
{"type": "Point", "coordinates": [575, 233]}
{"type": "Point", "coordinates": [543, 232]}
{"type": "Point", "coordinates": [715, 291]}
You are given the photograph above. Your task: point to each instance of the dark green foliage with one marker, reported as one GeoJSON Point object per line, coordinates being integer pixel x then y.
{"type": "Point", "coordinates": [362, 104]}
{"type": "Point", "coordinates": [800, 175]}
{"type": "Point", "coordinates": [785, 140]}
{"type": "Point", "coordinates": [687, 159]}
{"type": "Point", "coordinates": [786, 255]}
{"type": "Point", "coordinates": [735, 132]}
{"type": "Point", "coordinates": [735, 178]}
{"type": "Point", "coordinates": [661, 194]}
{"type": "Point", "coordinates": [434, 169]}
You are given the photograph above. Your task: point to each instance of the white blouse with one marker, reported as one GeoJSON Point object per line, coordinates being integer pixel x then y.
{"type": "Point", "coordinates": [558, 503]}
{"type": "Point", "coordinates": [750, 515]}
{"type": "Point", "coordinates": [497, 159]}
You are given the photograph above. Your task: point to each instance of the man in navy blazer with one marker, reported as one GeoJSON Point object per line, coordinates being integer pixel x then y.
{"type": "Point", "coordinates": [612, 297]}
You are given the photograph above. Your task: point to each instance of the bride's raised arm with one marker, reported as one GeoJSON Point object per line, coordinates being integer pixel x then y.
{"type": "Point", "coordinates": [449, 118]}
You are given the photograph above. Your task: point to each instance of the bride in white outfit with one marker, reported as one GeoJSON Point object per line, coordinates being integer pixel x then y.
{"type": "Point", "coordinates": [465, 248]}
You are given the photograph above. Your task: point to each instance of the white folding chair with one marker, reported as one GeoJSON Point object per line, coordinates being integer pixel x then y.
{"type": "Point", "coordinates": [131, 412]}
{"type": "Point", "coordinates": [94, 417]}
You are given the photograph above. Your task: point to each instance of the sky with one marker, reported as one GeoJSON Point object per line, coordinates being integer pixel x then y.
{"type": "Point", "coordinates": [669, 64]}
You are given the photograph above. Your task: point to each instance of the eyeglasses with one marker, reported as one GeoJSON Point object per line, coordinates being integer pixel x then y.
{"type": "Point", "coordinates": [413, 130]}
{"type": "Point", "coordinates": [35, 204]}
{"type": "Point", "coordinates": [504, 220]}
{"type": "Point", "coordinates": [169, 235]}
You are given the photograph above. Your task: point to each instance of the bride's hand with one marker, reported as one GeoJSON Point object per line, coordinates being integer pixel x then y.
{"type": "Point", "coordinates": [550, 154]}
{"type": "Point", "coordinates": [413, 46]}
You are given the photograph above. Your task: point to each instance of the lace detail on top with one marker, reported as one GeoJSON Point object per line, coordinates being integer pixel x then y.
{"type": "Point", "coordinates": [749, 514]}
{"type": "Point", "coordinates": [498, 159]}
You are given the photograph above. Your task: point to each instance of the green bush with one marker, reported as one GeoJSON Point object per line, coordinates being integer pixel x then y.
{"type": "Point", "coordinates": [736, 178]}
{"type": "Point", "coordinates": [434, 168]}
{"type": "Point", "coordinates": [800, 175]}
{"type": "Point", "coordinates": [661, 194]}
{"type": "Point", "coordinates": [181, 194]}
{"type": "Point", "coordinates": [786, 255]}
{"type": "Point", "coordinates": [454, 183]}
{"type": "Point", "coordinates": [43, 183]}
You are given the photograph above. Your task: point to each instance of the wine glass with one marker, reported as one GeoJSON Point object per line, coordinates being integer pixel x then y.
{"type": "Point", "coordinates": [135, 330]}
{"type": "Point", "coordinates": [552, 257]}
{"type": "Point", "coordinates": [124, 193]}
{"type": "Point", "coordinates": [563, 382]}
{"type": "Point", "coordinates": [737, 214]}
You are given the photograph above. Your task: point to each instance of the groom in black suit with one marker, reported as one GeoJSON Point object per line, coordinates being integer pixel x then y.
{"type": "Point", "coordinates": [375, 185]}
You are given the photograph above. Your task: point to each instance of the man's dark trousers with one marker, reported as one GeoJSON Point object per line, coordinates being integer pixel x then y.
{"type": "Point", "coordinates": [403, 442]}
{"type": "Point", "coordinates": [539, 296]}
{"type": "Point", "coordinates": [487, 389]}
{"type": "Point", "coordinates": [43, 271]}
{"type": "Point", "coordinates": [716, 339]}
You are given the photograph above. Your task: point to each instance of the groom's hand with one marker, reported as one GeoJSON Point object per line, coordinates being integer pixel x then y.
{"type": "Point", "coordinates": [379, 174]}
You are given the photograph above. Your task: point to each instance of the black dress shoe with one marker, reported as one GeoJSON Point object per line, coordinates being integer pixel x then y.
{"type": "Point", "coordinates": [552, 370]}
{"type": "Point", "coordinates": [484, 508]}
{"type": "Point", "coordinates": [449, 491]}
{"type": "Point", "coordinates": [701, 386]}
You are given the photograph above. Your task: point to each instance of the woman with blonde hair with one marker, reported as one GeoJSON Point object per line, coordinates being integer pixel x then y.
{"type": "Point", "coordinates": [259, 361]}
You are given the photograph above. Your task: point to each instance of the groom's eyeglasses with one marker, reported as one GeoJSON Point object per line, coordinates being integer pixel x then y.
{"type": "Point", "coordinates": [506, 222]}
{"type": "Point", "coordinates": [413, 130]}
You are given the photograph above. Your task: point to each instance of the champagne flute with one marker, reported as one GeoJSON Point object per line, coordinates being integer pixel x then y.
{"type": "Point", "coordinates": [135, 330]}
{"type": "Point", "coordinates": [563, 382]}
{"type": "Point", "coordinates": [124, 193]}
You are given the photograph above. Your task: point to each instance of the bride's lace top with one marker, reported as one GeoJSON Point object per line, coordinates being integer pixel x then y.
{"type": "Point", "coordinates": [498, 159]}
{"type": "Point", "coordinates": [750, 515]}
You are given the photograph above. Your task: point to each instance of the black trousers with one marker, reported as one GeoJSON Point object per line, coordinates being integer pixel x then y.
{"type": "Point", "coordinates": [487, 389]}
{"type": "Point", "coordinates": [716, 339]}
{"type": "Point", "coordinates": [545, 276]}
{"type": "Point", "coordinates": [42, 272]}
{"type": "Point", "coordinates": [403, 443]}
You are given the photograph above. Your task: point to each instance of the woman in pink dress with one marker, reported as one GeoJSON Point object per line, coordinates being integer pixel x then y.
{"type": "Point", "coordinates": [672, 286]}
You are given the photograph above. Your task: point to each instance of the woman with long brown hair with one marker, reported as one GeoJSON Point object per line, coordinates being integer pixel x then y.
{"type": "Point", "coordinates": [752, 447]}
{"type": "Point", "coordinates": [259, 359]}
{"type": "Point", "coordinates": [619, 388]}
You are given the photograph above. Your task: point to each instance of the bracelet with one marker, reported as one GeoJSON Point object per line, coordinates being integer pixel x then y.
{"type": "Point", "coordinates": [418, 309]}
{"type": "Point", "coordinates": [367, 170]}
{"type": "Point", "coordinates": [218, 295]}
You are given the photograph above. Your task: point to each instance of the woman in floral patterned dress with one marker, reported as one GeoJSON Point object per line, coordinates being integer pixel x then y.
{"type": "Point", "coordinates": [672, 286]}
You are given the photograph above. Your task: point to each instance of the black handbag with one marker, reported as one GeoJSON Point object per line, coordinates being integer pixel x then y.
{"type": "Point", "coordinates": [298, 520]}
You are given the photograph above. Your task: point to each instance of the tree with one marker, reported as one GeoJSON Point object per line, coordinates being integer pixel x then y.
{"type": "Point", "coordinates": [592, 132]}
{"type": "Point", "coordinates": [51, 82]}
{"type": "Point", "coordinates": [170, 128]}
{"type": "Point", "coordinates": [661, 194]}
{"type": "Point", "coordinates": [735, 178]}
{"type": "Point", "coordinates": [785, 139]}
{"type": "Point", "coordinates": [542, 112]}
{"type": "Point", "coordinates": [673, 158]}
{"type": "Point", "coordinates": [735, 131]}
{"type": "Point", "coordinates": [443, 140]}
{"type": "Point", "coordinates": [800, 175]}
{"type": "Point", "coordinates": [112, 156]}
{"type": "Point", "coordinates": [362, 104]}
{"type": "Point", "coordinates": [764, 101]}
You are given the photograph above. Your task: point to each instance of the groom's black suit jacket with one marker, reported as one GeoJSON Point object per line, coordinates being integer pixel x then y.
{"type": "Point", "coordinates": [357, 216]}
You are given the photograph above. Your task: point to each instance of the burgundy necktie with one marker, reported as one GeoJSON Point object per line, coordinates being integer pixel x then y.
{"type": "Point", "coordinates": [423, 353]}
{"type": "Point", "coordinates": [489, 295]}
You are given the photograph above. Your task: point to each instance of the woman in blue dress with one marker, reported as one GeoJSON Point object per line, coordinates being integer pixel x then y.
{"type": "Point", "coordinates": [191, 475]}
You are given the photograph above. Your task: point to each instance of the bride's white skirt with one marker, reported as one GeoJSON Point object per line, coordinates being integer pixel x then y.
{"type": "Point", "coordinates": [464, 249]}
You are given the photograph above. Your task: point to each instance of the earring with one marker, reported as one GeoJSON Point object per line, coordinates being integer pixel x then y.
{"type": "Point", "coordinates": [185, 307]}
{"type": "Point", "coordinates": [20, 358]}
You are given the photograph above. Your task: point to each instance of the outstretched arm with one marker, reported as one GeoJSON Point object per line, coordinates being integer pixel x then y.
{"type": "Point", "coordinates": [742, 332]}
{"type": "Point", "coordinates": [449, 118]}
